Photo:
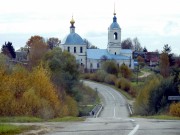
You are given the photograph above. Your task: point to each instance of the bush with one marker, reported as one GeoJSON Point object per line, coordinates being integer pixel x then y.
{"type": "Point", "coordinates": [110, 79]}
{"type": "Point", "coordinates": [175, 109]}
{"type": "Point", "coordinates": [142, 99]}
{"type": "Point", "coordinates": [101, 74]}
{"type": "Point", "coordinates": [125, 71]}
{"type": "Point", "coordinates": [118, 83]}
{"type": "Point", "coordinates": [85, 76]}
{"type": "Point", "coordinates": [93, 77]}
{"type": "Point", "coordinates": [110, 67]}
{"type": "Point", "coordinates": [125, 84]}
{"type": "Point", "coordinates": [29, 93]}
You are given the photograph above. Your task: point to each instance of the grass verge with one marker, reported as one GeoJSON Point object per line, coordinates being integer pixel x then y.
{"type": "Point", "coordinates": [67, 119]}
{"type": "Point", "coordinates": [161, 117]}
{"type": "Point", "coordinates": [20, 119]}
{"type": "Point", "coordinates": [8, 129]}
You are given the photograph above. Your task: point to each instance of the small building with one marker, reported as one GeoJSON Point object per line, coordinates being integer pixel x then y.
{"type": "Point", "coordinates": [152, 58]}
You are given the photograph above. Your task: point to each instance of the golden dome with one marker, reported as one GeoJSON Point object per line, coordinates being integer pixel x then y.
{"type": "Point", "coordinates": [72, 21]}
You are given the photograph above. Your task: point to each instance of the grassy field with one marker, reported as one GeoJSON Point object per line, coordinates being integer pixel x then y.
{"type": "Point", "coordinates": [8, 129]}
{"type": "Point", "coordinates": [35, 119]}
{"type": "Point", "coordinates": [20, 119]}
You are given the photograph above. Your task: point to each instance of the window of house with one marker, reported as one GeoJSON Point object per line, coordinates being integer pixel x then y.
{"type": "Point", "coordinates": [91, 65]}
{"type": "Point", "coordinates": [68, 49]}
{"type": "Point", "coordinates": [74, 49]}
{"type": "Point", "coordinates": [97, 65]}
{"type": "Point", "coordinates": [115, 36]}
{"type": "Point", "coordinates": [115, 53]}
{"type": "Point", "coordinates": [81, 49]}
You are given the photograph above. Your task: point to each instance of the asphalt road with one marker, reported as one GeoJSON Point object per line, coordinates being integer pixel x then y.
{"type": "Point", "coordinates": [114, 120]}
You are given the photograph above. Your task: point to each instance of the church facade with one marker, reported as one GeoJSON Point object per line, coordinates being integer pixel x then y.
{"type": "Point", "coordinates": [91, 59]}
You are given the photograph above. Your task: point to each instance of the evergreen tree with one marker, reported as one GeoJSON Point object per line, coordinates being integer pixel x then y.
{"type": "Point", "coordinates": [8, 49]}
{"type": "Point", "coordinates": [167, 49]}
{"type": "Point", "coordinates": [145, 49]}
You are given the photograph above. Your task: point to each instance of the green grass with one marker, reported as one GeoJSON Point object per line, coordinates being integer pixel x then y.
{"type": "Point", "coordinates": [20, 119]}
{"type": "Point", "coordinates": [67, 119]}
{"type": "Point", "coordinates": [135, 83]}
{"type": "Point", "coordinates": [161, 117]}
{"type": "Point", "coordinates": [8, 129]}
{"type": "Point", "coordinates": [35, 119]}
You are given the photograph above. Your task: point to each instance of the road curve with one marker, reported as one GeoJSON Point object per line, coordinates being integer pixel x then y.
{"type": "Point", "coordinates": [113, 119]}
{"type": "Point", "coordinates": [114, 104]}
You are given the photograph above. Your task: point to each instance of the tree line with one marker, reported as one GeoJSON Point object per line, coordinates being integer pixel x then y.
{"type": "Point", "coordinates": [48, 86]}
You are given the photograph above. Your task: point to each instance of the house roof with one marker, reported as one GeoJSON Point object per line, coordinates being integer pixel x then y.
{"type": "Point", "coordinates": [99, 53]}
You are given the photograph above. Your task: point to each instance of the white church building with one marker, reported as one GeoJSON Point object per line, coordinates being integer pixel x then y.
{"type": "Point", "coordinates": [91, 59]}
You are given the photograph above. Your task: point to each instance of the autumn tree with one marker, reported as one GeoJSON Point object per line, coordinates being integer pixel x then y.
{"type": "Point", "coordinates": [29, 93]}
{"type": "Point", "coordinates": [141, 106]}
{"type": "Point", "coordinates": [167, 49]}
{"type": "Point", "coordinates": [127, 44]}
{"type": "Point", "coordinates": [125, 71]}
{"type": "Point", "coordinates": [8, 49]}
{"type": "Point", "coordinates": [140, 61]}
{"type": "Point", "coordinates": [3, 60]}
{"type": "Point", "coordinates": [164, 64]}
{"type": "Point", "coordinates": [37, 48]}
{"type": "Point", "coordinates": [53, 42]}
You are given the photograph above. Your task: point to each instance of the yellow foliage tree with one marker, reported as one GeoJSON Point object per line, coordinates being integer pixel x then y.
{"type": "Point", "coordinates": [142, 100]}
{"type": "Point", "coordinates": [175, 109]}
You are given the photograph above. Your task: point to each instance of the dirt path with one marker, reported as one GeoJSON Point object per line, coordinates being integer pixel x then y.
{"type": "Point", "coordinates": [145, 74]}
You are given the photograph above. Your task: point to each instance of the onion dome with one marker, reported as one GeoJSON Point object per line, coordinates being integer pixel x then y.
{"type": "Point", "coordinates": [114, 24]}
{"type": "Point", "coordinates": [73, 38]}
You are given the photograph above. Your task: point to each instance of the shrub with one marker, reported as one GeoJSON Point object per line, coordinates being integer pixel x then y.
{"type": "Point", "coordinates": [110, 79]}
{"type": "Point", "coordinates": [101, 74]}
{"type": "Point", "coordinates": [175, 109]}
{"type": "Point", "coordinates": [125, 84]}
{"type": "Point", "coordinates": [142, 99]}
{"type": "Point", "coordinates": [110, 67]}
{"type": "Point", "coordinates": [72, 106]}
{"type": "Point", "coordinates": [118, 83]}
{"type": "Point", "coordinates": [93, 77]}
{"type": "Point", "coordinates": [86, 76]}
{"type": "Point", "coordinates": [125, 71]}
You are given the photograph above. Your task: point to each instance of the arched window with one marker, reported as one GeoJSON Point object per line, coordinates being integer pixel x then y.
{"type": "Point", "coordinates": [81, 49]}
{"type": "Point", "coordinates": [68, 49]}
{"type": "Point", "coordinates": [115, 53]}
{"type": "Point", "coordinates": [74, 49]}
{"type": "Point", "coordinates": [115, 36]}
{"type": "Point", "coordinates": [97, 65]}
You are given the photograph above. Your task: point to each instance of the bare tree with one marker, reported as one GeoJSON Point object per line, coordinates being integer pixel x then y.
{"type": "Point", "coordinates": [137, 45]}
{"type": "Point", "coordinates": [127, 44]}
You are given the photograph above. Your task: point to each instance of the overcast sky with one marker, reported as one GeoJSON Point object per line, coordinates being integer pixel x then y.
{"type": "Point", "coordinates": [153, 22]}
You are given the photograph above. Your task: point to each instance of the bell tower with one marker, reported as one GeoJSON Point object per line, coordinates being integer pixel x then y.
{"type": "Point", "coordinates": [114, 37]}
